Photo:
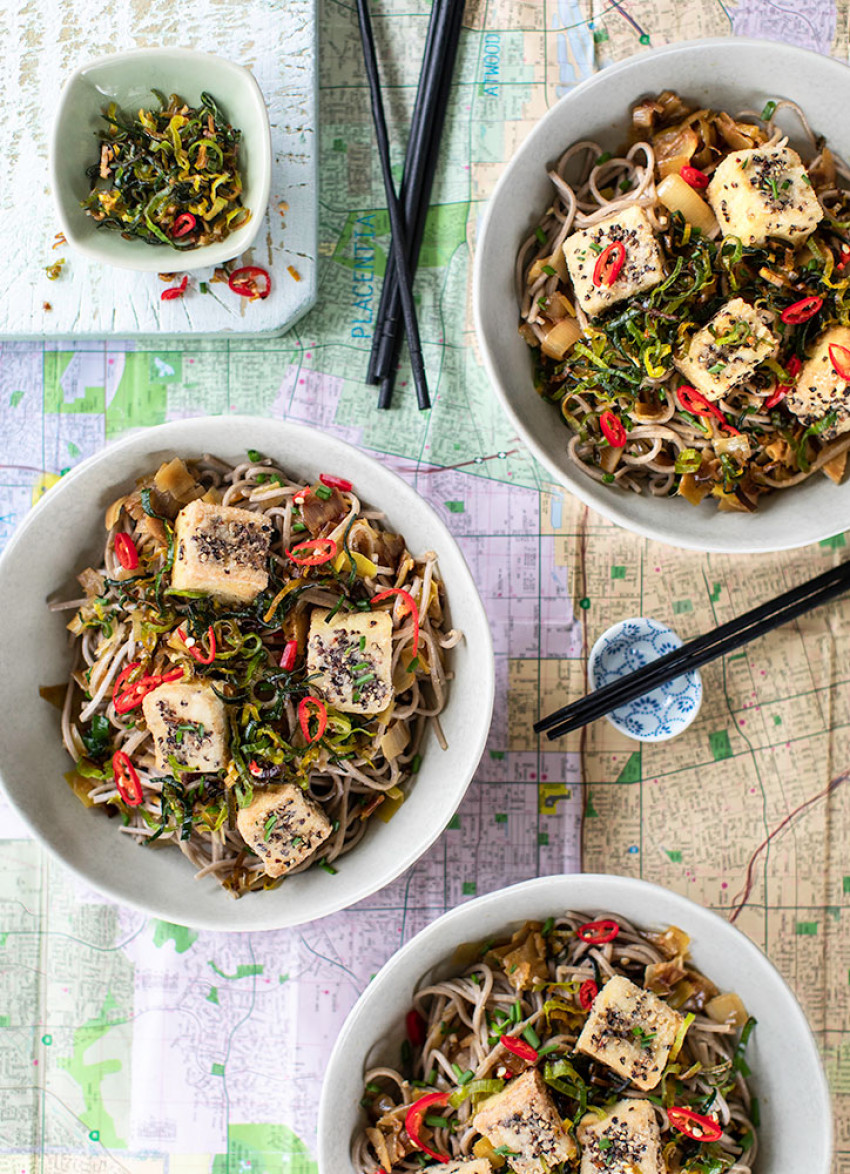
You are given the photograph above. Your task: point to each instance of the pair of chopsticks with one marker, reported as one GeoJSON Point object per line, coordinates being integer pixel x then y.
{"type": "Point", "coordinates": [408, 213]}
{"type": "Point", "coordinates": [690, 656]}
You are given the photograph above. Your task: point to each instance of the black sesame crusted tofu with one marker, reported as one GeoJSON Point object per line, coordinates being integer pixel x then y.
{"type": "Point", "coordinates": [221, 550]}
{"type": "Point", "coordinates": [729, 348]}
{"type": "Point", "coordinates": [352, 655]}
{"type": "Point", "coordinates": [464, 1166]}
{"type": "Point", "coordinates": [284, 826]}
{"type": "Point", "coordinates": [189, 724]}
{"type": "Point", "coordinates": [764, 192]}
{"type": "Point", "coordinates": [820, 389]}
{"type": "Point", "coordinates": [524, 1119]}
{"type": "Point", "coordinates": [630, 1031]}
{"type": "Point", "coordinates": [627, 1141]}
{"type": "Point", "coordinates": [643, 266]}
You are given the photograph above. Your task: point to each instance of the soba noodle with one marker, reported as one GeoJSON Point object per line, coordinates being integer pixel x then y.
{"type": "Point", "coordinates": [132, 617]}
{"type": "Point", "coordinates": [623, 361]}
{"type": "Point", "coordinates": [458, 1022]}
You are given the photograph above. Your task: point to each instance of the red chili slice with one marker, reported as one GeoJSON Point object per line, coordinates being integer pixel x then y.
{"type": "Point", "coordinates": [413, 1122]}
{"type": "Point", "coordinates": [125, 775]}
{"type": "Point", "coordinates": [597, 933]}
{"type": "Point", "coordinates": [290, 652]}
{"type": "Point", "coordinates": [839, 356]}
{"type": "Point", "coordinates": [845, 257]}
{"type": "Point", "coordinates": [318, 558]}
{"type": "Point", "coordinates": [123, 675]}
{"type": "Point", "coordinates": [245, 281]}
{"type": "Point", "coordinates": [587, 992]}
{"type": "Point", "coordinates": [131, 696]}
{"type": "Point", "coordinates": [613, 429]}
{"type": "Point", "coordinates": [412, 609]}
{"type": "Point", "coordinates": [520, 1048]}
{"type": "Point", "coordinates": [174, 291]}
{"type": "Point", "coordinates": [694, 177]}
{"type": "Point", "coordinates": [255, 768]}
{"type": "Point", "coordinates": [416, 1028]}
{"type": "Point", "coordinates": [184, 224]}
{"type": "Point", "coordinates": [125, 551]}
{"type": "Point", "coordinates": [793, 367]}
{"type": "Point", "coordinates": [694, 1125]}
{"type": "Point", "coordinates": [694, 401]}
{"type": "Point", "coordinates": [801, 311]}
{"type": "Point", "coordinates": [196, 652]}
{"type": "Point", "coordinates": [609, 263]}
{"type": "Point", "coordinates": [304, 718]}
{"type": "Point", "coordinates": [335, 482]}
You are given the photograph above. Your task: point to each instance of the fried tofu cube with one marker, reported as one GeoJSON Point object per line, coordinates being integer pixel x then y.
{"type": "Point", "coordinates": [524, 1119]}
{"type": "Point", "coordinates": [631, 1031]}
{"type": "Point", "coordinates": [284, 826]}
{"type": "Point", "coordinates": [352, 655]}
{"type": "Point", "coordinates": [764, 192]}
{"type": "Point", "coordinates": [189, 724]}
{"type": "Point", "coordinates": [221, 550]}
{"type": "Point", "coordinates": [627, 1141]}
{"type": "Point", "coordinates": [729, 348]}
{"type": "Point", "coordinates": [819, 389]}
{"type": "Point", "coordinates": [643, 266]}
{"type": "Point", "coordinates": [463, 1166]}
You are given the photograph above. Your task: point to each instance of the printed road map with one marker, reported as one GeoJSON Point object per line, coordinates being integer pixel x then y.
{"type": "Point", "coordinates": [139, 1046]}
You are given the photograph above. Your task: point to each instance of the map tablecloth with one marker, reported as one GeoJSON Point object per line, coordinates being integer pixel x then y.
{"type": "Point", "coordinates": [135, 1045]}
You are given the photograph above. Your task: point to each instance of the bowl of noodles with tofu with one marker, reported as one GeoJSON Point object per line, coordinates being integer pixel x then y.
{"type": "Point", "coordinates": [662, 294]}
{"type": "Point", "coordinates": [260, 673]}
{"type": "Point", "coordinates": [576, 1025]}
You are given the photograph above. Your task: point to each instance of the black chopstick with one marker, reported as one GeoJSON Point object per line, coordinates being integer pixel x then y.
{"type": "Point", "coordinates": [416, 144]}
{"type": "Point", "coordinates": [399, 237]}
{"type": "Point", "coordinates": [700, 651]}
{"type": "Point", "coordinates": [437, 81]}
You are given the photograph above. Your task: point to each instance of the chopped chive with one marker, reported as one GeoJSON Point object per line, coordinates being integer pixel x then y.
{"type": "Point", "coordinates": [323, 492]}
{"type": "Point", "coordinates": [456, 1068]}
{"type": "Point", "coordinates": [548, 926]}
{"type": "Point", "coordinates": [362, 643]}
{"type": "Point", "coordinates": [465, 1077]}
{"type": "Point", "coordinates": [373, 1087]}
{"type": "Point", "coordinates": [595, 247]}
{"type": "Point", "coordinates": [541, 235]}
{"type": "Point", "coordinates": [297, 841]}
{"type": "Point", "coordinates": [415, 764]}
{"type": "Point", "coordinates": [769, 111]}
{"type": "Point", "coordinates": [531, 1037]}
{"type": "Point", "coordinates": [625, 185]}
{"type": "Point", "coordinates": [413, 667]}
{"type": "Point", "coordinates": [717, 368]}
{"type": "Point", "coordinates": [432, 1076]}
{"type": "Point", "coordinates": [361, 680]}
{"type": "Point", "coordinates": [203, 287]}
{"type": "Point", "coordinates": [254, 457]}
{"type": "Point", "coordinates": [298, 527]}
{"type": "Point", "coordinates": [608, 478]}
{"type": "Point", "coordinates": [516, 1012]}
{"type": "Point", "coordinates": [269, 827]}
{"type": "Point", "coordinates": [547, 1049]}
{"type": "Point", "coordinates": [603, 158]}
{"type": "Point", "coordinates": [549, 271]}
{"type": "Point", "coordinates": [323, 864]}
{"type": "Point", "coordinates": [437, 1122]}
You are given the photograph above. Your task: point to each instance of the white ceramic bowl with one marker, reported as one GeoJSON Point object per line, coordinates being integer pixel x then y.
{"type": "Point", "coordinates": [796, 1118]}
{"type": "Point", "coordinates": [127, 78]}
{"type": "Point", "coordinates": [64, 534]}
{"type": "Point", "coordinates": [729, 73]}
{"type": "Point", "coordinates": [661, 714]}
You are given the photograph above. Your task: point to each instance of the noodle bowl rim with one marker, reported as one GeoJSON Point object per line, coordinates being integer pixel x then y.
{"type": "Point", "coordinates": [598, 108]}
{"type": "Point", "coordinates": [38, 565]}
{"type": "Point", "coordinates": [795, 1111]}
